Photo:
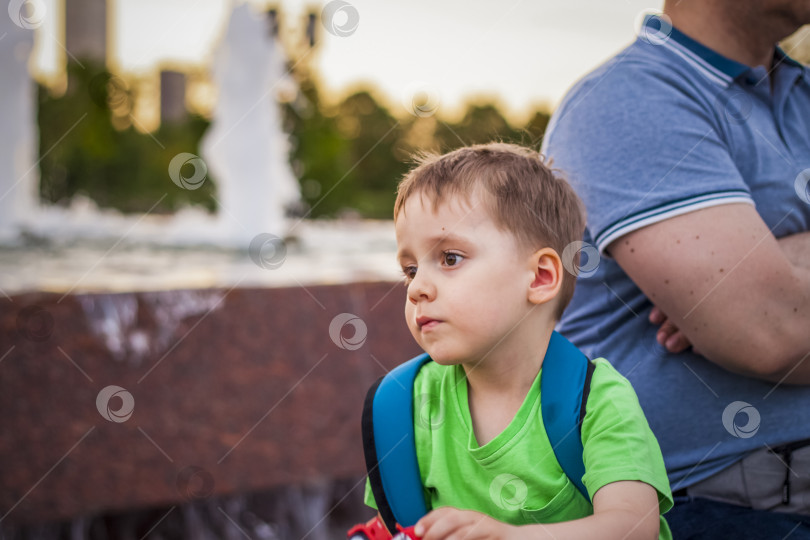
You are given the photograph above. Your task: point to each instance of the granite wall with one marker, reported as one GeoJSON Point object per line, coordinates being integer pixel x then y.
{"type": "Point", "coordinates": [111, 402]}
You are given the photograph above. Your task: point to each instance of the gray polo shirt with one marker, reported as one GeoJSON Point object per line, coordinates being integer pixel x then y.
{"type": "Point", "coordinates": [666, 127]}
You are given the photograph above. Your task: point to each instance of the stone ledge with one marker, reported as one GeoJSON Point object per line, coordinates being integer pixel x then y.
{"type": "Point", "coordinates": [234, 391]}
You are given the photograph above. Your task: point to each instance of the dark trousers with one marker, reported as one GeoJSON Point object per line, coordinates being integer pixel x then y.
{"type": "Point", "coordinates": [694, 518]}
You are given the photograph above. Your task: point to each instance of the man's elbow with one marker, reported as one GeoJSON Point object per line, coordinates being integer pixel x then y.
{"type": "Point", "coordinates": [769, 369]}
{"type": "Point", "coordinates": [784, 367]}
{"type": "Point", "coordinates": [765, 355]}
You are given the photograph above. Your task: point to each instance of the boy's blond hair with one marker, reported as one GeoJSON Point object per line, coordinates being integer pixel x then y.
{"type": "Point", "coordinates": [525, 197]}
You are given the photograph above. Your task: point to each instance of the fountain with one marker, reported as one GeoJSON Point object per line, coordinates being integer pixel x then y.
{"type": "Point", "coordinates": [19, 176]}
{"type": "Point", "coordinates": [245, 147]}
{"type": "Point", "coordinates": [168, 376]}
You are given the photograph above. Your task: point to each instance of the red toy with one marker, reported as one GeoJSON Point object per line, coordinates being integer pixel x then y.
{"type": "Point", "coordinates": [374, 529]}
{"type": "Point", "coordinates": [405, 534]}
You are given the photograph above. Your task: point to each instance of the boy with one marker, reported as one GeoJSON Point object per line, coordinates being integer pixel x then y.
{"type": "Point", "coordinates": [480, 232]}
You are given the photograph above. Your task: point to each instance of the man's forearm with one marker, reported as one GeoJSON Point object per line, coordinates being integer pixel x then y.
{"type": "Point", "coordinates": [797, 248]}
{"type": "Point", "coordinates": [741, 297]}
{"type": "Point", "coordinates": [778, 340]}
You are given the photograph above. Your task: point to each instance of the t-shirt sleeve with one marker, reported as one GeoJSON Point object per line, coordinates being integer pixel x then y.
{"type": "Point", "coordinates": [618, 443]}
{"type": "Point", "coordinates": [368, 497]}
{"type": "Point", "coordinates": [640, 148]}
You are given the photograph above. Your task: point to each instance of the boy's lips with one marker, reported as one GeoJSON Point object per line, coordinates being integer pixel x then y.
{"type": "Point", "coordinates": [425, 323]}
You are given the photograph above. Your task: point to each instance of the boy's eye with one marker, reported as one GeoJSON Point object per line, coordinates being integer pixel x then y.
{"type": "Point", "coordinates": [451, 259]}
{"type": "Point", "coordinates": [409, 272]}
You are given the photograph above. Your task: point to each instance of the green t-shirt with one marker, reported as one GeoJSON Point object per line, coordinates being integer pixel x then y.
{"type": "Point", "coordinates": [515, 477]}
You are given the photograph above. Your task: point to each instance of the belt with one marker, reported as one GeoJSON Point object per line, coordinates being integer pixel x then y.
{"type": "Point", "coordinates": [770, 478]}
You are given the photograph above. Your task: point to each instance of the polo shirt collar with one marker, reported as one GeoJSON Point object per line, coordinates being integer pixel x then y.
{"type": "Point", "coordinates": [714, 65]}
{"type": "Point", "coordinates": [781, 56]}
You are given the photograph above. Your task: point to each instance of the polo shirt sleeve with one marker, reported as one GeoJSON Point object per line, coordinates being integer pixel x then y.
{"type": "Point", "coordinates": [639, 147]}
{"type": "Point", "coordinates": [618, 444]}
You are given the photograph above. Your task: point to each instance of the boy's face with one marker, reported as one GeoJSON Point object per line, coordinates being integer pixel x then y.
{"type": "Point", "coordinates": [467, 279]}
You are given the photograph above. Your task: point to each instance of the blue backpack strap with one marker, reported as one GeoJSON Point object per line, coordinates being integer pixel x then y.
{"type": "Point", "coordinates": [390, 448]}
{"type": "Point", "coordinates": [565, 382]}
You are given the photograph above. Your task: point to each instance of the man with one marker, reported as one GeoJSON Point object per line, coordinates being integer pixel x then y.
{"type": "Point", "coordinates": [691, 151]}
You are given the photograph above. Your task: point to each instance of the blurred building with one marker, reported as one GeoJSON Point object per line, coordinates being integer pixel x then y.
{"type": "Point", "coordinates": [172, 96]}
{"type": "Point", "coordinates": [86, 29]}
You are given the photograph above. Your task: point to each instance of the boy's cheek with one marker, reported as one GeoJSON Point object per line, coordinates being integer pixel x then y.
{"type": "Point", "coordinates": [410, 319]}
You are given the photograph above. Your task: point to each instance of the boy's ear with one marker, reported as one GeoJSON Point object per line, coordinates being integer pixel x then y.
{"type": "Point", "coordinates": [548, 275]}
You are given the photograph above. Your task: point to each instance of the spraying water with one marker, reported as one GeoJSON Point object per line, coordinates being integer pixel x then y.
{"type": "Point", "coordinates": [19, 175]}
{"type": "Point", "coordinates": [245, 149]}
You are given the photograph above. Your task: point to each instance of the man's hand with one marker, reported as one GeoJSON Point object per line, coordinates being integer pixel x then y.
{"type": "Point", "coordinates": [453, 524]}
{"type": "Point", "coordinates": [669, 336]}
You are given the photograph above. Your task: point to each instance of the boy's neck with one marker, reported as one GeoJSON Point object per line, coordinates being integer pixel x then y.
{"type": "Point", "coordinates": [510, 369]}
{"type": "Point", "coordinates": [498, 385]}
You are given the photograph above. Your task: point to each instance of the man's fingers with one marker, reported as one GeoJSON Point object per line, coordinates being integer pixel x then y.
{"type": "Point", "coordinates": [666, 331]}
{"type": "Point", "coordinates": [657, 316]}
{"type": "Point", "coordinates": [668, 335]}
{"type": "Point", "coordinates": [677, 342]}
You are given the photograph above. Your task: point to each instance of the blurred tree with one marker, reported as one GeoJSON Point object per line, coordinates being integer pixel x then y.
{"type": "Point", "coordinates": [482, 123]}
{"type": "Point", "coordinates": [88, 145]}
{"type": "Point", "coordinates": [535, 128]}
{"type": "Point", "coordinates": [348, 158]}
{"type": "Point", "coordinates": [375, 169]}
{"type": "Point", "coordinates": [318, 153]}
{"type": "Point", "coordinates": [345, 157]}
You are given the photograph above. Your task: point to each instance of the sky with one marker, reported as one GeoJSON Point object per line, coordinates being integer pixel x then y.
{"type": "Point", "coordinates": [525, 53]}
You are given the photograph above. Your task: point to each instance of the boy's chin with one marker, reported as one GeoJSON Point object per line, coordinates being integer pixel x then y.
{"type": "Point", "coordinates": [445, 361]}
{"type": "Point", "coordinates": [444, 358]}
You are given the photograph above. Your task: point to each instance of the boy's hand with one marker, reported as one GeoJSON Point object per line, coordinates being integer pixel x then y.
{"type": "Point", "coordinates": [453, 524]}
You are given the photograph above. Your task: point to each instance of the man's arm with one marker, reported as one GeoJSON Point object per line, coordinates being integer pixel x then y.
{"type": "Point", "coordinates": [740, 296]}
{"type": "Point", "coordinates": [796, 248]}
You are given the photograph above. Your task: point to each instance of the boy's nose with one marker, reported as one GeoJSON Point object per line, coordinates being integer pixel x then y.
{"type": "Point", "coordinates": [421, 288]}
